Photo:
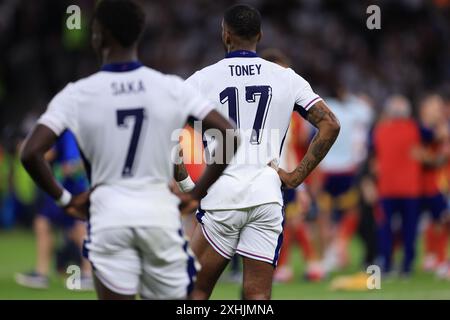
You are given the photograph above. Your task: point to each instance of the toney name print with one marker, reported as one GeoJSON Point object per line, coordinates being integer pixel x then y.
{"type": "Point", "coordinates": [127, 87]}
{"type": "Point", "coordinates": [246, 70]}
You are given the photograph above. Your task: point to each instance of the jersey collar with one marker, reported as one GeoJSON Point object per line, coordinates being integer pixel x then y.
{"type": "Point", "coordinates": [241, 54]}
{"type": "Point", "coordinates": [121, 66]}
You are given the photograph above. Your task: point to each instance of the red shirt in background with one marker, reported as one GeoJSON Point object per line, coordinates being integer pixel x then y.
{"type": "Point", "coordinates": [299, 141]}
{"type": "Point", "coordinates": [399, 174]}
{"type": "Point", "coordinates": [297, 145]}
{"type": "Point", "coordinates": [193, 153]}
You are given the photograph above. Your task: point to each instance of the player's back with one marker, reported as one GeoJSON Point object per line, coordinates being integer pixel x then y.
{"type": "Point", "coordinates": [124, 118]}
{"type": "Point", "coordinates": [259, 96]}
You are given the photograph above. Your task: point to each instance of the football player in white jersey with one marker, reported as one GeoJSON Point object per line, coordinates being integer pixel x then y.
{"type": "Point", "coordinates": [123, 118]}
{"type": "Point", "coordinates": [242, 212]}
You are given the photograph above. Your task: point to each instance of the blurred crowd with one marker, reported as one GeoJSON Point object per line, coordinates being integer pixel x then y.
{"type": "Point", "coordinates": [327, 41]}
{"type": "Point", "coordinates": [388, 87]}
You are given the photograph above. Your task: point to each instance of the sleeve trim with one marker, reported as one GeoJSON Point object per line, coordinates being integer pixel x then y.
{"type": "Point", "coordinates": [312, 102]}
{"type": "Point", "coordinates": [51, 125]}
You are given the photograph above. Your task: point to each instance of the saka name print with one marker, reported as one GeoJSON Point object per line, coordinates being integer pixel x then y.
{"type": "Point", "coordinates": [127, 87]}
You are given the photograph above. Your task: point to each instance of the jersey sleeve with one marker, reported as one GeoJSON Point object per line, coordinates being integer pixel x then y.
{"type": "Point", "coordinates": [60, 114]}
{"type": "Point", "coordinates": [303, 94]}
{"type": "Point", "coordinates": [197, 105]}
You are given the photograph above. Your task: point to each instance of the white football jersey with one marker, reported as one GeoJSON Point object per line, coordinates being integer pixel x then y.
{"type": "Point", "coordinates": [124, 118]}
{"type": "Point", "coordinates": [259, 96]}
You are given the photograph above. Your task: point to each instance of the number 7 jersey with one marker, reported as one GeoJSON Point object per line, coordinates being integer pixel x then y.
{"type": "Point", "coordinates": [125, 119]}
{"type": "Point", "coordinates": [259, 96]}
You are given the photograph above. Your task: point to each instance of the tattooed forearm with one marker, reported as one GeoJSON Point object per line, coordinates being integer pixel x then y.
{"type": "Point", "coordinates": [318, 149]}
{"type": "Point", "coordinates": [319, 113]}
{"type": "Point", "coordinates": [323, 119]}
{"type": "Point", "coordinates": [316, 115]}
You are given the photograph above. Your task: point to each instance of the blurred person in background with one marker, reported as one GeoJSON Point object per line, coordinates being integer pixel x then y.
{"type": "Point", "coordinates": [435, 139]}
{"type": "Point", "coordinates": [67, 166]}
{"type": "Point", "coordinates": [297, 202]}
{"type": "Point", "coordinates": [18, 189]}
{"type": "Point", "coordinates": [367, 228]}
{"type": "Point", "coordinates": [444, 175]}
{"type": "Point", "coordinates": [399, 157]}
{"type": "Point", "coordinates": [338, 197]}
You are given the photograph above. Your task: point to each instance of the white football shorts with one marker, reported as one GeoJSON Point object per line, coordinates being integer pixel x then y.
{"type": "Point", "coordinates": [154, 262]}
{"type": "Point", "coordinates": [255, 232]}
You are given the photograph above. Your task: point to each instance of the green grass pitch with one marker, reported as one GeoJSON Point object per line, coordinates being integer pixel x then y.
{"type": "Point", "coordinates": [17, 254]}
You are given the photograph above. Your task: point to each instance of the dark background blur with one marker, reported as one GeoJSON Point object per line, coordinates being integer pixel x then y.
{"type": "Point", "coordinates": [328, 42]}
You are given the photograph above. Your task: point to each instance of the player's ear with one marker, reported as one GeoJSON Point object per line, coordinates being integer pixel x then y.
{"type": "Point", "coordinates": [226, 36]}
{"type": "Point", "coordinates": [96, 36]}
{"type": "Point", "coordinates": [259, 36]}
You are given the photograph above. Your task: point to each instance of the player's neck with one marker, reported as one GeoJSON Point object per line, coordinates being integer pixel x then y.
{"type": "Point", "coordinates": [239, 47]}
{"type": "Point", "coordinates": [119, 56]}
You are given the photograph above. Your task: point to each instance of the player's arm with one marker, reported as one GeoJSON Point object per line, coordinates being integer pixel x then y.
{"type": "Point", "coordinates": [328, 127]}
{"type": "Point", "coordinates": [181, 175]}
{"type": "Point", "coordinates": [32, 155]}
{"type": "Point", "coordinates": [429, 159]}
{"type": "Point", "coordinates": [426, 157]}
{"type": "Point", "coordinates": [227, 147]}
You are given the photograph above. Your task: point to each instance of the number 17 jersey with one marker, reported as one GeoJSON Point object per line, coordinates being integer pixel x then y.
{"type": "Point", "coordinates": [259, 96]}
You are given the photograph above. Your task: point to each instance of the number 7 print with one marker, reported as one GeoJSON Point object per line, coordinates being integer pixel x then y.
{"type": "Point", "coordinates": [138, 114]}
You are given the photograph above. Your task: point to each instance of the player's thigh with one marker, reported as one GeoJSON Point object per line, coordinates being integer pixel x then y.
{"type": "Point", "coordinates": [257, 282]}
{"type": "Point", "coordinates": [115, 261]}
{"type": "Point", "coordinates": [212, 265]}
{"type": "Point", "coordinates": [168, 265]}
{"type": "Point", "coordinates": [104, 293]}
{"type": "Point", "coordinates": [262, 236]}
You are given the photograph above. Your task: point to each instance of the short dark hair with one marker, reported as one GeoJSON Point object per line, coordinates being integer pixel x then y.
{"type": "Point", "coordinates": [124, 19]}
{"type": "Point", "coordinates": [243, 20]}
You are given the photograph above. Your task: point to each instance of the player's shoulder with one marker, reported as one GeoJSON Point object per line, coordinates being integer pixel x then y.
{"type": "Point", "coordinates": [170, 84]}
{"type": "Point", "coordinates": [275, 66]}
{"type": "Point", "coordinates": [210, 69]}
{"type": "Point", "coordinates": [281, 72]}
{"type": "Point", "coordinates": [160, 78]}
{"type": "Point", "coordinates": [84, 84]}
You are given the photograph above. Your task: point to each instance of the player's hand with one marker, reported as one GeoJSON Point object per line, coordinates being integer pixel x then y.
{"type": "Point", "coordinates": [78, 206]}
{"type": "Point", "coordinates": [188, 204]}
{"type": "Point", "coordinates": [287, 179]}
